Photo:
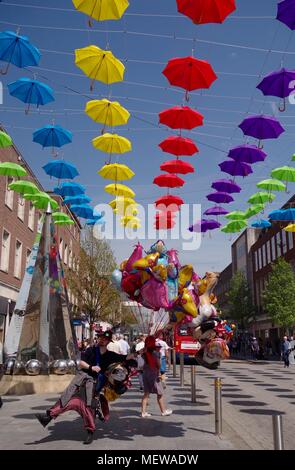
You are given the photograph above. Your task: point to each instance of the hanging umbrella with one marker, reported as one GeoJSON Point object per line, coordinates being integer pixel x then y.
{"type": "Point", "coordinates": [181, 117]}
{"type": "Point", "coordinates": [12, 169]}
{"type": "Point", "coordinates": [169, 200]}
{"type": "Point", "coordinates": [5, 140]}
{"type": "Point", "coordinates": [253, 210]}
{"type": "Point", "coordinates": [30, 196]}
{"type": "Point", "coordinates": [23, 187]}
{"type": "Point", "coordinates": [64, 222]}
{"type": "Point", "coordinates": [60, 216]}
{"type": "Point", "coordinates": [119, 190]}
{"type": "Point", "coordinates": [116, 171]}
{"type": "Point", "coordinates": [80, 199]}
{"type": "Point", "coordinates": [17, 50]}
{"type": "Point", "coordinates": [112, 143]}
{"type": "Point", "coordinates": [286, 215]}
{"type": "Point", "coordinates": [247, 154]}
{"type": "Point", "coordinates": [120, 204]}
{"type": "Point", "coordinates": [284, 173]}
{"type": "Point", "coordinates": [226, 186]}
{"type": "Point", "coordinates": [286, 13]}
{"type": "Point", "coordinates": [168, 181]}
{"type": "Point", "coordinates": [261, 224]}
{"type": "Point", "coordinates": [178, 145]}
{"type": "Point", "coordinates": [31, 92]}
{"type": "Point", "coordinates": [177, 166]}
{"type": "Point", "coordinates": [262, 127]}
{"type": "Point", "coordinates": [290, 228]}
{"type": "Point", "coordinates": [52, 136]}
{"type": "Point", "coordinates": [164, 224]}
{"type": "Point", "coordinates": [234, 168]}
{"type": "Point", "coordinates": [130, 218]}
{"type": "Point", "coordinates": [69, 188]}
{"type": "Point", "coordinates": [82, 210]}
{"type": "Point", "coordinates": [216, 210]}
{"type": "Point", "coordinates": [204, 225]}
{"type": "Point", "coordinates": [261, 198]}
{"type": "Point", "coordinates": [99, 65]}
{"type": "Point", "coordinates": [94, 222]}
{"type": "Point", "coordinates": [278, 84]}
{"type": "Point", "coordinates": [108, 113]}
{"type": "Point", "coordinates": [271, 185]}
{"type": "Point", "coordinates": [220, 197]}
{"type": "Point", "coordinates": [61, 169]}
{"type": "Point", "coordinates": [234, 226]}
{"type": "Point", "coordinates": [102, 10]}
{"type": "Point", "coordinates": [236, 215]}
{"type": "Point", "coordinates": [275, 215]}
{"type": "Point", "coordinates": [42, 199]}
{"type": "Point", "coordinates": [206, 11]}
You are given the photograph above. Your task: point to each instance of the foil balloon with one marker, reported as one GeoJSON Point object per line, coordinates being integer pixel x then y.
{"type": "Point", "coordinates": [145, 275]}
{"type": "Point", "coordinates": [117, 278]}
{"type": "Point", "coordinates": [123, 265]}
{"type": "Point", "coordinates": [136, 255]}
{"type": "Point", "coordinates": [187, 303]}
{"type": "Point", "coordinates": [173, 258]}
{"type": "Point", "coordinates": [185, 276]}
{"type": "Point", "coordinates": [158, 247]}
{"type": "Point", "coordinates": [148, 262]}
{"type": "Point", "coordinates": [154, 294]}
{"type": "Point", "coordinates": [131, 283]}
{"type": "Point", "coordinates": [160, 272]}
{"type": "Point", "coordinates": [216, 350]}
{"type": "Point", "coordinates": [172, 271]}
{"type": "Point", "coordinates": [172, 285]}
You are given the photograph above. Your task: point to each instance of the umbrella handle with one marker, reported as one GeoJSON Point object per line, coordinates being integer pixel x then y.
{"type": "Point", "coordinates": [282, 108]}
{"type": "Point", "coordinates": [90, 22]}
{"type": "Point", "coordinates": [187, 96]}
{"type": "Point", "coordinates": [4, 72]}
{"type": "Point", "coordinates": [260, 145]}
{"type": "Point", "coordinates": [92, 85]}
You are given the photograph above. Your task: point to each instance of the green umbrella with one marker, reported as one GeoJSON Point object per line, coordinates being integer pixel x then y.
{"type": "Point", "coordinates": [261, 198]}
{"type": "Point", "coordinates": [24, 187]}
{"type": "Point", "coordinates": [284, 173]}
{"type": "Point", "coordinates": [253, 210]}
{"type": "Point", "coordinates": [30, 196]}
{"type": "Point", "coordinates": [5, 140]}
{"type": "Point", "coordinates": [12, 169]}
{"type": "Point", "coordinates": [41, 201]}
{"type": "Point", "coordinates": [64, 222]}
{"type": "Point", "coordinates": [271, 185]}
{"type": "Point", "coordinates": [59, 216]}
{"type": "Point", "coordinates": [234, 226]}
{"type": "Point", "coordinates": [236, 215]}
{"type": "Point", "coordinates": [293, 157]}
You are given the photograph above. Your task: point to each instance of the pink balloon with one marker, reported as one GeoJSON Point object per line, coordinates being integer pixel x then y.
{"type": "Point", "coordinates": [173, 258]}
{"type": "Point", "coordinates": [136, 255]}
{"type": "Point", "coordinates": [154, 294]}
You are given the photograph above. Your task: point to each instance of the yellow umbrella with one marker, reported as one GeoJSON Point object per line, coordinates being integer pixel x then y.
{"type": "Point", "coordinates": [122, 202]}
{"type": "Point", "coordinates": [119, 190]}
{"type": "Point", "coordinates": [112, 143]}
{"type": "Point", "coordinates": [130, 221]}
{"type": "Point", "coordinates": [109, 113]}
{"type": "Point", "coordinates": [290, 228]}
{"type": "Point", "coordinates": [116, 171]}
{"type": "Point", "coordinates": [99, 65]}
{"type": "Point", "coordinates": [102, 10]}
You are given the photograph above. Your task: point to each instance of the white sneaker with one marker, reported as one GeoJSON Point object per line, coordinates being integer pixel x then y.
{"type": "Point", "coordinates": [167, 413]}
{"type": "Point", "coordinates": [145, 415]}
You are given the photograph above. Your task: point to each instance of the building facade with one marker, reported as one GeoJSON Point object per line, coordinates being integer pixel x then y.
{"type": "Point", "coordinates": [223, 287]}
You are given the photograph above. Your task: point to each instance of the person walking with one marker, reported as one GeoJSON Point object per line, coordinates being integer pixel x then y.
{"type": "Point", "coordinates": [124, 346]}
{"type": "Point", "coordinates": [285, 351]}
{"type": "Point", "coordinates": [151, 378]}
{"type": "Point", "coordinates": [164, 348]}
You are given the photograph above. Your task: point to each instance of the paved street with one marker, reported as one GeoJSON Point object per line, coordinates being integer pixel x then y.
{"type": "Point", "coordinates": [251, 392]}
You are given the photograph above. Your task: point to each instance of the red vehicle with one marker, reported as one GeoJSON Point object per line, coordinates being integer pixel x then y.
{"type": "Point", "coordinates": [184, 341]}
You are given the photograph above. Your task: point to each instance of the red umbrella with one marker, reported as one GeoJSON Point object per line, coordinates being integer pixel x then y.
{"type": "Point", "coordinates": [173, 202]}
{"type": "Point", "coordinates": [164, 220]}
{"type": "Point", "coordinates": [179, 146]}
{"type": "Point", "coordinates": [169, 181]}
{"type": "Point", "coordinates": [181, 117]}
{"type": "Point", "coordinates": [206, 11]}
{"type": "Point", "coordinates": [177, 166]}
{"type": "Point", "coordinates": [189, 73]}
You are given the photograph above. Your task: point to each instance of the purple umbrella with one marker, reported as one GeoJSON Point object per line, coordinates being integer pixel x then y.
{"type": "Point", "coordinates": [204, 225]}
{"type": "Point", "coordinates": [247, 154]}
{"type": "Point", "coordinates": [216, 210]}
{"type": "Point", "coordinates": [220, 197]}
{"type": "Point", "coordinates": [226, 186]}
{"type": "Point", "coordinates": [234, 168]}
{"type": "Point", "coordinates": [286, 13]}
{"type": "Point", "coordinates": [262, 127]}
{"type": "Point", "coordinates": [278, 84]}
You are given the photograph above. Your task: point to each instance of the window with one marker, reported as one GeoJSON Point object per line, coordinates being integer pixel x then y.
{"type": "Point", "coordinates": [31, 219]}
{"type": "Point", "coordinates": [268, 252]}
{"type": "Point", "coordinates": [66, 254]}
{"type": "Point", "coordinates": [259, 259]}
{"type": "Point", "coordinates": [70, 259]}
{"type": "Point", "coordinates": [273, 248]}
{"type": "Point", "coordinates": [256, 260]}
{"type": "Point", "coordinates": [28, 256]}
{"type": "Point", "coordinates": [5, 249]}
{"type": "Point", "coordinates": [21, 207]}
{"type": "Point", "coordinates": [278, 243]}
{"type": "Point", "coordinates": [18, 259]}
{"type": "Point", "coordinates": [9, 193]}
{"type": "Point", "coordinates": [61, 244]}
{"type": "Point", "coordinates": [284, 241]}
{"type": "Point", "coordinates": [291, 242]}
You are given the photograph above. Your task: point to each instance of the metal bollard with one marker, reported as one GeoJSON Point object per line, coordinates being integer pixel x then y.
{"type": "Point", "coordinates": [174, 362]}
{"type": "Point", "coordinates": [277, 426]}
{"type": "Point", "coordinates": [218, 407]}
{"type": "Point", "coordinates": [181, 367]}
{"type": "Point", "coordinates": [169, 359]}
{"type": "Point", "coordinates": [193, 383]}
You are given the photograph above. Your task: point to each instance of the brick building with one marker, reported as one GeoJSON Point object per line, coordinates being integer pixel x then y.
{"type": "Point", "coordinates": [222, 288]}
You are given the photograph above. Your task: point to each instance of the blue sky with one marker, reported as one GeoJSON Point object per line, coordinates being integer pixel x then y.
{"type": "Point", "coordinates": [148, 36]}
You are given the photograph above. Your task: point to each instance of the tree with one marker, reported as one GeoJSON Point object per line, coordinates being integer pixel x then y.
{"type": "Point", "coordinates": [240, 300]}
{"type": "Point", "coordinates": [90, 280]}
{"type": "Point", "coordinates": [279, 294]}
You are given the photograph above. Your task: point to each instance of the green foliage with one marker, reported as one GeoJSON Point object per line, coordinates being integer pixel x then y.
{"type": "Point", "coordinates": [279, 294]}
{"type": "Point", "coordinates": [240, 306]}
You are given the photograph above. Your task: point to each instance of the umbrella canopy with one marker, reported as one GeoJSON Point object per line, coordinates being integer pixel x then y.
{"type": "Point", "coordinates": [112, 143]}
{"type": "Point", "coordinates": [253, 210]}
{"type": "Point", "coordinates": [234, 226]}
{"type": "Point", "coordinates": [60, 216]}
{"type": "Point", "coordinates": [220, 197]}
{"type": "Point", "coordinates": [168, 181]}
{"type": "Point", "coordinates": [290, 228]}
{"type": "Point", "coordinates": [69, 188]}
{"type": "Point", "coordinates": [120, 204]}
{"type": "Point", "coordinates": [130, 221]}
{"type": "Point", "coordinates": [164, 224]}
{"type": "Point", "coordinates": [277, 83]}
{"type": "Point", "coordinates": [204, 225]}
{"type": "Point", "coordinates": [234, 168]}
{"type": "Point", "coordinates": [5, 140]}
{"type": "Point", "coordinates": [262, 127]}
{"type": "Point", "coordinates": [41, 200]}
{"type": "Point", "coordinates": [177, 166]}
{"type": "Point", "coordinates": [181, 117]}
{"type": "Point", "coordinates": [94, 221]}
{"type": "Point", "coordinates": [116, 171]}
{"type": "Point", "coordinates": [119, 190]}
{"type": "Point", "coordinates": [17, 50]}
{"type": "Point", "coordinates": [261, 224]}
{"type": "Point", "coordinates": [206, 11]}
{"type": "Point", "coordinates": [226, 186]}
{"type": "Point", "coordinates": [247, 154]}
{"type": "Point", "coordinates": [52, 136]}
{"type": "Point", "coordinates": [99, 65]}
{"type": "Point", "coordinates": [82, 210]}
{"type": "Point", "coordinates": [271, 185]}
{"type": "Point", "coordinates": [287, 215]}
{"type": "Point", "coordinates": [102, 10]}
{"type": "Point", "coordinates": [236, 215]}
{"type": "Point", "coordinates": [109, 113]}
{"type": "Point", "coordinates": [30, 196]}
{"type": "Point", "coordinates": [169, 201]}
{"type": "Point", "coordinates": [12, 169]}
{"type": "Point", "coordinates": [80, 199]}
{"type": "Point", "coordinates": [284, 173]}
{"type": "Point", "coordinates": [64, 222]}
{"type": "Point", "coordinates": [261, 198]}
{"type": "Point", "coordinates": [61, 169]}
{"type": "Point", "coordinates": [24, 187]}
{"type": "Point", "coordinates": [189, 73]}
{"type": "Point", "coordinates": [275, 215]}
{"type": "Point", "coordinates": [178, 145]}
{"type": "Point", "coordinates": [216, 210]}
{"type": "Point", "coordinates": [286, 13]}
{"type": "Point", "coordinates": [31, 91]}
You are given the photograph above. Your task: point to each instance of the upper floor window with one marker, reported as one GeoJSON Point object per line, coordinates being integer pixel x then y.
{"type": "Point", "coordinates": [5, 251]}
{"type": "Point", "coordinates": [9, 193]}
{"type": "Point", "coordinates": [18, 259]}
{"type": "Point", "coordinates": [21, 207]}
{"type": "Point", "coordinates": [31, 219]}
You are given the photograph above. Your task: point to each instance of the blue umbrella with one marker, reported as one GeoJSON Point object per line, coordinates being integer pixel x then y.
{"type": "Point", "coordinates": [83, 210]}
{"type": "Point", "coordinates": [287, 215]}
{"type": "Point", "coordinates": [17, 50]}
{"type": "Point", "coordinates": [52, 136]}
{"type": "Point", "coordinates": [81, 199]}
{"type": "Point", "coordinates": [261, 224]}
{"type": "Point", "coordinates": [61, 169]}
{"type": "Point", "coordinates": [95, 221]}
{"type": "Point", "coordinates": [69, 188]}
{"type": "Point", "coordinates": [31, 92]}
